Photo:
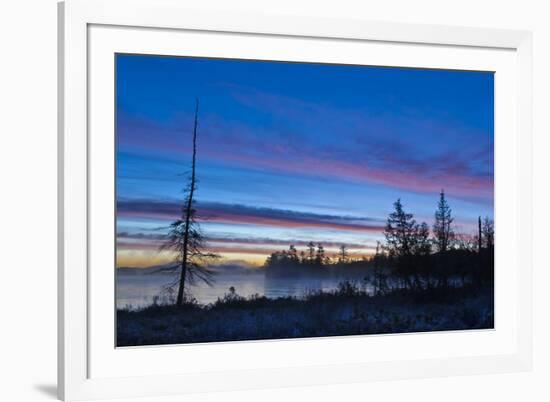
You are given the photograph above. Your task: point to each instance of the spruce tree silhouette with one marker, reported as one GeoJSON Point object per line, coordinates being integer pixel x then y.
{"type": "Point", "coordinates": [442, 228]}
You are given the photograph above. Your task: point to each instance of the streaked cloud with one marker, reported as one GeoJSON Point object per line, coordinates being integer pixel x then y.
{"type": "Point", "coordinates": [243, 214]}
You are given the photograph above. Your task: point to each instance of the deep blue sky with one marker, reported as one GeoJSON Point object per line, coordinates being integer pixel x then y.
{"type": "Point", "coordinates": [292, 152]}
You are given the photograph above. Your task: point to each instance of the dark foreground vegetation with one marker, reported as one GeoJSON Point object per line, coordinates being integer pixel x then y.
{"type": "Point", "coordinates": [350, 310]}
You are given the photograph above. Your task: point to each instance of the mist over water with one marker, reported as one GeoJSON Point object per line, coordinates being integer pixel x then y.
{"type": "Point", "coordinates": [140, 290]}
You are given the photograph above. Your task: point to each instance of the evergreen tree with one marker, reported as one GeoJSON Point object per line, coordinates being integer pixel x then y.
{"type": "Point", "coordinates": [422, 245]}
{"type": "Point", "coordinates": [293, 253]}
{"type": "Point", "coordinates": [488, 232]}
{"type": "Point", "coordinates": [311, 252]}
{"type": "Point", "coordinates": [442, 228]}
{"type": "Point", "coordinates": [320, 255]}
{"type": "Point", "coordinates": [400, 232]}
{"type": "Point", "coordinates": [407, 244]}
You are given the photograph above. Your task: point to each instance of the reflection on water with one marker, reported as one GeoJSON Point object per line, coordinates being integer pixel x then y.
{"type": "Point", "coordinates": [139, 290]}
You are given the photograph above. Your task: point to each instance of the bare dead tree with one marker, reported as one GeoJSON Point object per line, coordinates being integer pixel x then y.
{"type": "Point", "coordinates": [185, 237]}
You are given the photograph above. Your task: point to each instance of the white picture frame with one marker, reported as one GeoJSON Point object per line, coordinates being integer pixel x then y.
{"type": "Point", "coordinates": [89, 368]}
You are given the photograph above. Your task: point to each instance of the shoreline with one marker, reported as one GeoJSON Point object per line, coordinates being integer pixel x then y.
{"type": "Point", "coordinates": [346, 311]}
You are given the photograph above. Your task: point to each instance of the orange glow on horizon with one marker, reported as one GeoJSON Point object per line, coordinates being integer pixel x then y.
{"type": "Point", "coordinates": [252, 257]}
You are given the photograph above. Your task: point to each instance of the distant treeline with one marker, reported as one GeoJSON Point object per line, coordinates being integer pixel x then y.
{"type": "Point", "coordinates": [411, 256]}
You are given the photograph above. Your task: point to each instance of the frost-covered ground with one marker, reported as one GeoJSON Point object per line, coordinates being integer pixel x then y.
{"type": "Point", "coordinates": [348, 311]}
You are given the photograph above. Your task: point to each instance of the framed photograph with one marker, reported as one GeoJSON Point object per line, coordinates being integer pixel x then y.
{"type": "Point", "coordinates": [252, 201]}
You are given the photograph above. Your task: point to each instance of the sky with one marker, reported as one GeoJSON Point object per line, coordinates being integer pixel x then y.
{"type": "Point", "coordinates": [289, 153]}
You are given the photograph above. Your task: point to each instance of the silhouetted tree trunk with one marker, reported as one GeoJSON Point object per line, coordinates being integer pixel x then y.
{"type": "Point", "coordinates": [479, 235]}
{"type": "Point", "coordinates": [343, 256]}
{"type": "Point", "coordinates": [311, 252]}
{"type": "Point", "coordinates": [379, 279]}
{"type": "Point", "coordinates": [421, 251]}
{"type": "Point", "coordinates": [185, 237]}
{"type": "Point", "coordinates": [187, 214]}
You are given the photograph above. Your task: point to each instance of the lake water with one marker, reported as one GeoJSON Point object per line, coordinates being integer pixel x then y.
{"type": "Point", "coordinates": [140, 290]}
